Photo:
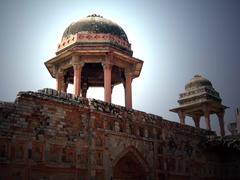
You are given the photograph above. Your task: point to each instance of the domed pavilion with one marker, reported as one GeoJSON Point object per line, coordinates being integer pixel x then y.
{"type": "Point", "coordinates": [94, 52]}
{"type": "Point", "coordinates": [200, 99]}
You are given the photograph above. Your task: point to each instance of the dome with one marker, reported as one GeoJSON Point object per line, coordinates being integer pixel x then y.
{"type": "Point", "coordinates": [198, 89]}
{"type": "Point", "coordinates": [95, 24]}
{"type": "Point", "coordinates": [196, 82]}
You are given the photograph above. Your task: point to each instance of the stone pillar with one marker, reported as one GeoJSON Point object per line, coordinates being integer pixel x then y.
{"type": "Point", "coordinates": [107, 68]}
{"type": "Point", "coordinates": [65, 86]}
{"type": "Point", "coordinates": [207, 117]}
{"type": "Point", "coordinates": [196, 120]}
{"type": "Point", "coordinates": [221, 122]}
{"type": "Point", "coordinates": [59, 80]}
{"type": "Point", "coordinates": [128, 89]}
{"type": "Point", "coordinates": [112, 89]}
{"type": "Point", "coordinates": [77, 68]}
{"type": "Point", "coordinates": [181, 116]}
{"type": "Point", "coordinates": [238, 120]}
{"type": "Point", "coordinates": [84, 89]}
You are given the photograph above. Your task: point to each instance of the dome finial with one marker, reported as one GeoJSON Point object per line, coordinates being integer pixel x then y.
{"type": "Point", "coordinates": [197, 75]}
{"type": "Point", "coordinates": [95, 15]}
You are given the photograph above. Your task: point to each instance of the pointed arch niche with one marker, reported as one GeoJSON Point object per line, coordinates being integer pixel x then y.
{"type": "Point", "coordinates": [130, 164]}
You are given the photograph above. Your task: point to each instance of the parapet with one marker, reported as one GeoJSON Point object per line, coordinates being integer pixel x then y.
{"type": "Point", "coordinates": [112, 110]}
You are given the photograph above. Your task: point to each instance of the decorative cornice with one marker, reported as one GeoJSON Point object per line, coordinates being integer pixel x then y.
{"type": "Point", "coordinates": [93, 38]}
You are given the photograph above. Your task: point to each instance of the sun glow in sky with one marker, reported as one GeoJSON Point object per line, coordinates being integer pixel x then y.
{"type": "Point", "coordinates": [176, 39]}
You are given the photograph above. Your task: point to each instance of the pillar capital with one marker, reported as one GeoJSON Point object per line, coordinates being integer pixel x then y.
{"type": "Point", "coordinates": [221, 113]}
{"type": "Point", "coordinates": [60, 71]}
{"type": "Point", "coordinates": [181, 116]}
{"type": "Point", "coordinates": [57, 70]}
{"type": "Point", "coordinates": [106, 65]}
{"type": "Point", "coordinates": [128, 72]}
{"type": "Point", "coordinates": [59, 79]}
{"type": "Point", "coordinates": [76, 63]}
{"type": "Point", "coordinates": [205, 109]}
{"type": "Point", "coordinates": [196, 119]}
{"type": "Point", "coordinates": [108, 59]}
{"type": "Point", "coordinates": [75, 59]}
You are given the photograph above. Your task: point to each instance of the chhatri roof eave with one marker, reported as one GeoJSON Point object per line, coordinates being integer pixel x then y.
{"type": "Point", "coordinates": [137, 63]}
{"type": "Point", "coordinates": [199, 104]}
{"type": "Point", "coordinates": [70, 52]}
{"type": "Point", "coordinates": [199, 96]}
{"type": "Point", "coordinates": [50, 63]}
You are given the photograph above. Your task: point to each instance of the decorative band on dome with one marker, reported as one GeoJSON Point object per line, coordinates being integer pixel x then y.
{"type": "Point", "coordinates": [93, 38]}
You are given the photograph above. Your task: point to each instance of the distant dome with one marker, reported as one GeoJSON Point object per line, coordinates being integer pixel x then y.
{"type": "Point", "coordinates": [197, 90]}
{"type": "Point", "coordinates": [196, 82]}
{"type": "Point", "coordinates": [95, 24]}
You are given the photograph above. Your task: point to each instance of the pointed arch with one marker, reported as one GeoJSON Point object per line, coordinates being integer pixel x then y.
{"type": "Point", "coordinates": [130, 164]}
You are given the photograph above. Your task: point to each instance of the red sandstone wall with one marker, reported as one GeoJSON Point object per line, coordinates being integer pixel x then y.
{"type": "Point", "coordinates": [52, 136]}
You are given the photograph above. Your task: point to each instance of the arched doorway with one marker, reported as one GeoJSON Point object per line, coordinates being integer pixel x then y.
{"type": "Point", "coordinates": [129, 167]}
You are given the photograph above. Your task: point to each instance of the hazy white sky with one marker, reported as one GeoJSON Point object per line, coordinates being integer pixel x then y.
{"type": "Point", "coordinates": [176, 39]}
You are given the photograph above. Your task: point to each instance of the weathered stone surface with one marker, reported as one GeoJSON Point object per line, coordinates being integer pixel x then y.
{"type": "Point", "coordinates": [52, 136]}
